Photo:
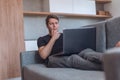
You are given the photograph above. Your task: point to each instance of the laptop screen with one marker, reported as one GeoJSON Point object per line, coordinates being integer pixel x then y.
{"type": "Point", "coordinates": [76, 40]}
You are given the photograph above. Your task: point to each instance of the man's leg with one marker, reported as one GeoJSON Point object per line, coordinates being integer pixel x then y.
{"type": "Point", "coordinates": [92, 55]}
{"type": "Point", "coordinates": [59, 61]}
{"type": "Point", "coordinates": [73, 61]}
{"type": "Point", "coordinates": [80, 63]}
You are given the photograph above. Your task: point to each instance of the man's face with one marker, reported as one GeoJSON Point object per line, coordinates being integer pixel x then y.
{"type": "Point", "coordinates": [53, 24]}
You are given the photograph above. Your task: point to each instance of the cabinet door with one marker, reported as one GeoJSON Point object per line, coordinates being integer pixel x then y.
{"type": "Point", "coordinates": [84, 6]}
{"type": "Point", "coordinates": [60, 6]}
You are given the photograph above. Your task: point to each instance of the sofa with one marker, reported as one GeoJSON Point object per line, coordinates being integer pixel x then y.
{"type": "Point", "coordinates": [33, 68]}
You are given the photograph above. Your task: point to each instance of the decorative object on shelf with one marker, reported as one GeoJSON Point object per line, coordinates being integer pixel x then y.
{"type": "Point", "coordinates": [100, 12]}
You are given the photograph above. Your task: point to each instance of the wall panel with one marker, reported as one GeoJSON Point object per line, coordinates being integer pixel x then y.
{"type": "Point", "coordinates": [11, 38]}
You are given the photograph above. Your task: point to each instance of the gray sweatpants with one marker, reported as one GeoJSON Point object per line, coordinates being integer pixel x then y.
{"type": "Point", "coordinates": [86, 60]}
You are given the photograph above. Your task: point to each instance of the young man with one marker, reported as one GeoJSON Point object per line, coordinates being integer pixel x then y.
{"type": "Point", "coordinates": [52, 44]}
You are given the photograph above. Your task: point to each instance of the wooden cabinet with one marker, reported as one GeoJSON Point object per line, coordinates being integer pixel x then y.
{"type": "Point", "coordinates": [46, 11]}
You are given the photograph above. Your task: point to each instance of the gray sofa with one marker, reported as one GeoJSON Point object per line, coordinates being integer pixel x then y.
{"type": "Point", "coordinates": [32, 67]}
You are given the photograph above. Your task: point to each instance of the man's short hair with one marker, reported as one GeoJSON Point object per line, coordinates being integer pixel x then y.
{"type": "Point", "coordinates": [51, 16]}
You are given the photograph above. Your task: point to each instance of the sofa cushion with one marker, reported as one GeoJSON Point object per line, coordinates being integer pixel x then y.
{"type": "Point", "coordinates": [40, 72]}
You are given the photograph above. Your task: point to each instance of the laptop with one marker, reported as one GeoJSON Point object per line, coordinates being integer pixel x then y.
{"type": "Point", "coordinates": [76, 40]}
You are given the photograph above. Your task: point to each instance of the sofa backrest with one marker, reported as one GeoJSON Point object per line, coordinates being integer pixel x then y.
{"type": "Point", "coordinates": [107, 33]}
{"type": "Point", "coordinates": [100, 35]}
{"type": "Point", "coordinates": [112, 32]}
{"type": "Point", "coordinates": [30, 57]}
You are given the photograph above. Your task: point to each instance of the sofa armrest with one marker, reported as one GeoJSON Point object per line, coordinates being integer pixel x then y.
{"type": "Point", "coordinates": [30, 57]}
{"type": "Point", "coordinates": [27, 58]}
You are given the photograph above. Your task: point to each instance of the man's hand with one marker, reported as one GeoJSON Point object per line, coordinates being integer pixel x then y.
{"type": "Point", "coordinates": [55, 34]}
{"type": "Point", "coordinates": [118, 44]}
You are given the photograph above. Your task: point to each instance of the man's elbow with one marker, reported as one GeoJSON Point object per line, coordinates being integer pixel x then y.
{"type": "Point", "coordinates": [42, 56]}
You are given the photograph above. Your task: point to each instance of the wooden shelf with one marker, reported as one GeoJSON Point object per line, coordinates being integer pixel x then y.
{"type": "Point", "coordinates": [103, 1]}
{"type": "Point", "coordinates": [64, 14]}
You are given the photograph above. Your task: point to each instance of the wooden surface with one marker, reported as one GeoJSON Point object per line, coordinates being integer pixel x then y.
{"type": "Point", "coordinates": [65, 14]}
{"type": "Point", "coordinates": [11, 38]}
{"type": "Point", "coordinates": [103, 1]}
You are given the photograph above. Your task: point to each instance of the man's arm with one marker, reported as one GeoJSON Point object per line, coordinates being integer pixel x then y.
{"type": "Point", "coordinates": [45, 51]}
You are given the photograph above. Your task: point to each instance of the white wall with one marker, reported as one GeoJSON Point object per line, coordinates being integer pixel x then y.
{"type": "Point", "coordinates": [34, 26]}
{"type": "Point", "coordinates": [31, 45]}
{"type": "Point", "coordinates": [113, 8]}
